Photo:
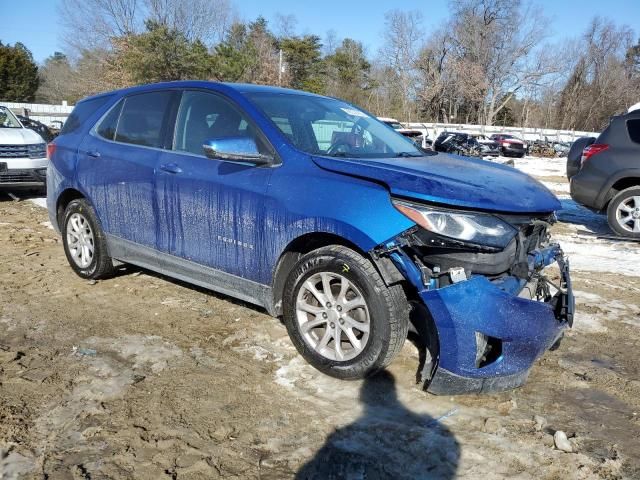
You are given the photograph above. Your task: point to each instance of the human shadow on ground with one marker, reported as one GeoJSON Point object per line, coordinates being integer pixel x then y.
{"type": "Point", "coordinates": [388, 441]}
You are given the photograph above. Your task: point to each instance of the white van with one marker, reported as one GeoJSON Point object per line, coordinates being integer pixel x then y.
{"type": "Point", "coordinates": [23, 154]}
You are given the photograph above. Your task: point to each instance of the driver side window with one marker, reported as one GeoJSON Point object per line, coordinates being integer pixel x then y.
{"type": "Point", "coordinates": [205, 116]}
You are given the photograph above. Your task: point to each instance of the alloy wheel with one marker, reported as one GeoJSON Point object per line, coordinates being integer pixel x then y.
{"type": "Point", "coordinates": [80, 240]}
{"type": "Point", "coordinates": [628, 214]}
{"type": "Point", "coordinates": [333, 316]}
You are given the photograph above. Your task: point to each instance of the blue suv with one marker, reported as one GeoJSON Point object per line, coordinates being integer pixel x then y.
{"type": "Point", "coordinates": [313, 209]}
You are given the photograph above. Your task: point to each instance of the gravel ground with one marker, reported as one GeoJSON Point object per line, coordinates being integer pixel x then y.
{"type": "Point", "coordinates": [141, 376]}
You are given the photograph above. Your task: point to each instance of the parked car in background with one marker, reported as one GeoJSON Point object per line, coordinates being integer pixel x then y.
{"type": "Point", "coordinates": [417, 136]}
{"type": "Point", "coordinates": [23, 154]}
{"type": "Point", "coordinates": [510, 146]}
{"type": "Point", "coordinates": [492, 147]}
{"type": "Point", "coordinates": [55, 127]}
{"type": "Point", "coordinates": [318, 212]}
{"type": "Point", "coordinates": [38, 127]}
{"type": "Point", "coordinates": [561, 148]}
{"type": "Point", "coordinates": [607, 175]}
{"type": "Point", "coordinates": [465, 144]}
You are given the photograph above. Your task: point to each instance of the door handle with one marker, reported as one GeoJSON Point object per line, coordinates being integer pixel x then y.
{"type": "Point", "coordinates": [170, 168]}
{"type": "Point", "coordinates": [93, 153]}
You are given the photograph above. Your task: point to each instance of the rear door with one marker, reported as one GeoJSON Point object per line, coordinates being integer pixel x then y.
{"type": "Point", "coordinates": [117, 162]}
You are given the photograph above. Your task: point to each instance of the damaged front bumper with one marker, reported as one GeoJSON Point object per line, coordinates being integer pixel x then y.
{"type": "Point", "coordinates": [491, 331]}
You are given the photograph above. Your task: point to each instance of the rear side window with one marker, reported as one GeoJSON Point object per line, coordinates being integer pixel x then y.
{"type": "Point", "coordinates": [82, 112]}
{"type": "Point", "coordinates": [142, 120]}
{"type": "Point", "coordinates": [108, 125]}
{"type": "Point", "coordinates": [633, 126]}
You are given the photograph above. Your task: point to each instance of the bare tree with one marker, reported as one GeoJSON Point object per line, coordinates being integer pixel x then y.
{"type": "Point", "coordinates": [501, 37]}
{"type": "Point", "coordinates": [403, 35]}
{"type": "Point", "coordinates": [91, 24]}
{"type": "Point", "coordinates": [286, 25]}
{"type": "Point", "coordinates": [204, 20]}
{"type": "Point", "coordinates": [599, 84]}
{"type": "Point", "coordinates": [94, 24]}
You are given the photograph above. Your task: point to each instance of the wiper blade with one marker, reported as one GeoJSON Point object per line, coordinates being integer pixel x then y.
{"type": "Point", "coordinates": [342, 155]}
{"type": "Point", "coordinates": [407, 155]}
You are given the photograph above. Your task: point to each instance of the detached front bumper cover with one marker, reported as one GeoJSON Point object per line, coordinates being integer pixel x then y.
{"type": "Point", "coordinates": [520, 317]}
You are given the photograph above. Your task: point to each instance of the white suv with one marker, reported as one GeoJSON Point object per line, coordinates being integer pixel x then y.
{"type": "Point", "coordinates": [23, 154]}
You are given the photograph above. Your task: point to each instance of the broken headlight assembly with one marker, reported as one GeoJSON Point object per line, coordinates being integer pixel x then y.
{"type": "Point", "coordinates": [463, 226]}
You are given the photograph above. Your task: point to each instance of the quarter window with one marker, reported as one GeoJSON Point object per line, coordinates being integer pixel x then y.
{"type": "Point", "coordinates": [142, 119]}
{"type": "Point", "coordinates": [107, 127]}
{"type": "Point", "coordinates": [82, 112]}
{"type": "Point", "coordinates": [205, 116]}
{"type": "Point", "coordinates": [633, 126]}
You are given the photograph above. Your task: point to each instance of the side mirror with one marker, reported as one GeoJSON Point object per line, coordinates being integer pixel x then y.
{"type": "Point", "coordinates": [235, 149]}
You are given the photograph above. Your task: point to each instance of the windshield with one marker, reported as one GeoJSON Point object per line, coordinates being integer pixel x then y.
{"type": "Point", "coordinates": [8, 119]}
{"type": "Point", "coordinates": [325, 126]}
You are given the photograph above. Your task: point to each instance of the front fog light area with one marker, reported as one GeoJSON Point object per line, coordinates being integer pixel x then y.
{"type": "Point", "coordinates": [488, 349]}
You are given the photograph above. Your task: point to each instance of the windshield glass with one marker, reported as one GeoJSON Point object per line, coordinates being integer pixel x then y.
{"type": "Point", "coordinates": [325, 126]}
{"type": "Point", "coordinates": [8, 119]}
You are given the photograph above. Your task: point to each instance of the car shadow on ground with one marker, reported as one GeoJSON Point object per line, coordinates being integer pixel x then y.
{"type": "Point", "coordinates": [576, 214]}
{"type": "Point", "coordinates": [387, 441]}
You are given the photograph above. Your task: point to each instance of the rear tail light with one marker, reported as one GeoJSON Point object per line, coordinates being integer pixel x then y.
{"type": "Point", "coordinates": [51, 148]}
{"type": "Point", "coordinates": [592, 150]}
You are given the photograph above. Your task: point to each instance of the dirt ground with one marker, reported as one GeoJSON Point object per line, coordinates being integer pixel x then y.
{"type": "Point", "coordinates": [140, 376]}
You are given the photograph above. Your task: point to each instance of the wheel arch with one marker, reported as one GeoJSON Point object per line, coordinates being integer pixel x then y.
{"type": "Point", "coordinates": [310, 241]}
{"type": "Point", "coordinates": [620, 181]}
{"type": "Point", "coordinates": [66, 197]}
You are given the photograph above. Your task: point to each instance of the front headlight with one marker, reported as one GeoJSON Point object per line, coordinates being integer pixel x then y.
{"type": "Point", "coordinates": [470, 227]}
{"type": "Point", "coordinates": [38, 150]}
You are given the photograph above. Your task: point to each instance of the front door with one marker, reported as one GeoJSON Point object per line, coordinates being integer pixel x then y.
{"type": "Point", "coordinates": [211, 211]}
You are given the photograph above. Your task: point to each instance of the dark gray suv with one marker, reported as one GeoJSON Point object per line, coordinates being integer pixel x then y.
{"type": "Point", "coordinates": [605, 173]}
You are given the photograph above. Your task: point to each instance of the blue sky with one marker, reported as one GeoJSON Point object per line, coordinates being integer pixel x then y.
{"type": "Point", "coordinates": [34, 22]}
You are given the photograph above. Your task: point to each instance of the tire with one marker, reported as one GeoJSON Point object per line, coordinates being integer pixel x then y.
{"type": "Point", "coordinates": [626, 204]}
{"type": "Point", "coordinates": [386, 310]}
{"type": "Point", "coordinates": [79, 216]}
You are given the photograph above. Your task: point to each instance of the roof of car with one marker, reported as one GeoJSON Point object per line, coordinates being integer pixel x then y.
{"type": "Point", "coordinates": [239, 87]}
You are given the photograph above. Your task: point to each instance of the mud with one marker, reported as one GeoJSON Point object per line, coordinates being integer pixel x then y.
{"type": "Point", "coordinates": [140, 376]}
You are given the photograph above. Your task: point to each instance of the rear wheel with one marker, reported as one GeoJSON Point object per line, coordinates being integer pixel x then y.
{"type": "Point", "coordinates": [623, 213]}
{"type": "Point", "coordinates": [341, 316]}
{"type": "Point", "coordinates": [84, 243]}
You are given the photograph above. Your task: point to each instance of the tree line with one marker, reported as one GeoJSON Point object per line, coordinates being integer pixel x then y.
{"type": "Point", "coordinates": [489, 63]}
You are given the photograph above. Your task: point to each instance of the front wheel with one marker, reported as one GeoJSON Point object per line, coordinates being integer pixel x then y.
{"type": "Point", "coordinates": [623, 212]}
{"type": "Point", "coordinates": [341, 316]}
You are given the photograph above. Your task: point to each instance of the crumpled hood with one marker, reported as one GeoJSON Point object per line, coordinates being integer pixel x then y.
{"type": "Point", "coordinates": [452, 180]}
{"type": "Point", "coordinates": [19, 136]}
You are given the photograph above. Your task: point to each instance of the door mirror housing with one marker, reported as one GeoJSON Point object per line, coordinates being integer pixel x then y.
{"type": "Point", "coordinates": [236, 149]}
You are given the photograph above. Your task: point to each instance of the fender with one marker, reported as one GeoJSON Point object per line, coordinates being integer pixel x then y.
{"type": "Point", "coordinates": [606, 194]}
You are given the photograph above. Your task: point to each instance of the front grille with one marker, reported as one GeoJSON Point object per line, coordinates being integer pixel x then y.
{"type": "Point", "coordinates": [14, 151]}
{"type": "Point", "coordinates": [20, 176]}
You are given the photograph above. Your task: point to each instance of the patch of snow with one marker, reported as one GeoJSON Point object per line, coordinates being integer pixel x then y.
{"type": "Point", "coordinates": [542, 167]}
{"type": "Point", "coordinates": [41, 201]}
{"type": "Point", "coordinates": [594, 255]}
{"type": "Point", "coordinates": [557, 187]}
{"type": "Point", "coordinates": [47, 224]}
